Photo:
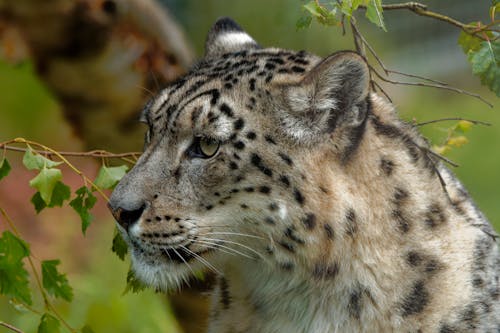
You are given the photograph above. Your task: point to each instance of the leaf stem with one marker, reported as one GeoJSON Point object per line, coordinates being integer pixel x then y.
{"type": "Point", "coordinates": [46, 300]}
{"type": "Point", "coordinates": [10, 327]}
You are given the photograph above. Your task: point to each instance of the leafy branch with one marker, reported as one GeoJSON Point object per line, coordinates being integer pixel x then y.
{"type": "Point", "coordinates": [51, 192]}
{"type": "Point", "coordinates": [478, 40]}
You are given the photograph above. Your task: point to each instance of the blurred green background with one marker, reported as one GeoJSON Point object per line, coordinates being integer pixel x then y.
{"type": "Point", "coordinates": [413, 44]}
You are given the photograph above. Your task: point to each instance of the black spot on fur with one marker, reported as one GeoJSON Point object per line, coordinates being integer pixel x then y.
{"type": "Point", "coordinates": [265, 189]}
{"type": "Point", "coordinates": [354, 306]}
{"type": "Point", "coordinates": [269, 220]}
{"type": "Point", "coordinates": [434, 216]}
{"type": "Point", "coordinates": [351, 223]}
{"type": "Point", "coordinates": [251, 135]}
{"type": "Point", "coordinates": [445, 328]}
{"type": "Point", "coordinates": [290, 233]}
{"type": "Point", "coordinates": [323, 272]}
{"type": "Point", "coordinates": [309, 221]}
{"type": "Point", "coordinates": [269, 139]}
{"type": "Point", "coordinates": [416, 300]}
{"type": "Point", "coordinates": [225, 296]}
{"type": "Point", "coordinates": [387, 166]}
{"type": "Point", "coordinates": [239, 145]}
{"type": "Point", "coordinates": [239, 124]}
{"type": "Point", "coordinates": [256, 160]}
{"type": "Point", "coordinates": [284, 180]}
{"type": "Point", "coordinates": [400, 195]}
{"type": "Point", "coordinates": [209, 207]}
{"type": "Point", "coordinates": [298, 69]}
{"type": "Point", "coordinates": [226, 110]}
{"type": "Point", "coordinates": [249, 189]}
{"type": "Point", "coordinates": [329, 231]}
{"type": "Point", "coordinates": [273, 206]}
{"type": "Point", "coordinates": [413, 258]}
{"type": "Point", "coordinates": [298, 196]}
{"type": "Point", "coordinates": [286, 159]}
{"type": "Point", "coordinates": [403, 223]}
{"type": "Point", "coordinates": [157, 218]}
{"type": "Point", "coordinates": [252, 84]}
{"type": "Point", "coordinates": [287, 246]}
{"type": "Point", "coordinates": [244, 206]}
{"type": "Point", "coordinates": [233, 166]}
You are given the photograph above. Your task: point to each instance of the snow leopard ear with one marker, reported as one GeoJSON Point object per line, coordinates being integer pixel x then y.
{"type": "Point", "coordinates": [227, 36]}
{"type": "Point", "coordinates": [333, 94]}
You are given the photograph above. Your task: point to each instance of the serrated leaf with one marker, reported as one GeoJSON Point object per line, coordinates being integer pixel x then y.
{"type": "Point", "coordinates": [119, 246]}
{"type": "Point", "coordinates": [82, 204]}
{"type": "Point", "coordinates": [38, 202]}
{"type": "Point", "coordinates": [87, 329]}
{"type": "Point", "coordinates": [13, 276]}
{"type": "Point", "coordinates": [303, 22]}
{"type": "Point", "coordinates": [34, 161]}
{"type": "Point", "coordinates": [108, 177]}
{"type": "Point", "coordinates": [374, 13]}
{"type": "Point", "coordinates": [133, 284]}
{"type": "Point", "coordinates": [48, 324]}
{"type": "Point", "coordinates": [45, 183]}
{"type": "Point", "coordinates": [4, 168]}
{"type": "Point", "coordinates": [60, 194]}
{"type": "Point", "coordinates": [54, 282]}
{"type": "Point", "coordinates": [457, 141]}
{"type": "Point", "coordinates": [463, 126]}
{"type": "Point", "coordinates": [486, 63]}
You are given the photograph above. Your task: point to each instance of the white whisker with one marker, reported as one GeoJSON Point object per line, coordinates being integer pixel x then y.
{"type": "Point", "coordinates": [226, 247]}
{"type": "Point", "coordinates": [233, 233]}
{"type": "Point", "coordinates": [202, 260]}
{"type": "Point", "coordinates": [235, 243]}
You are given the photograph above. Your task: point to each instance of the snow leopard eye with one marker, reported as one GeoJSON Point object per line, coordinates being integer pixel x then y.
{"type": "Point", "coordinates": [203, 147]}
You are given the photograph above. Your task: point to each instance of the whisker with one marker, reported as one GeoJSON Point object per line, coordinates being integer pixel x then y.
{"type": "Point", "coordinates": [189, 266]}
{"type": "Point", "coordinates": [228, 248]}
{"type": "Point", "coordinates": [233, 233]}
{"type": "Point", "coordinates": [235, 243]}
{"type": "Point", "coordinates": [202, 260]}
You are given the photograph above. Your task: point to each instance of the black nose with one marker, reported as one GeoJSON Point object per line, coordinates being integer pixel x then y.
{"type": "Point", "coordinates": [126, 218]}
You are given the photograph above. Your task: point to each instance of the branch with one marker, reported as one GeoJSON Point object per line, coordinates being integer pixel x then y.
{"type": "Point", "coordinates": [439, 86]}
{"type": "Point", "coordinates": [475, 122]}
{"type": "Point", "coordinates": [421, 9]}
{"type": "Point", "coordinates": [10, 327]}
{"type": "Point", "coordinates": [93, 153]}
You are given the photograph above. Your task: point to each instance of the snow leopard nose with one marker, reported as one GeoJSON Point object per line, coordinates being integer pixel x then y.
{"type": "Point", "coordinates": [126, 216]}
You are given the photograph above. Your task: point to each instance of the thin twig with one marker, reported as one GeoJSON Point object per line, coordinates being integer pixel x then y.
{"type": "Point", "coordinates": [375, 83]}
{"type": "Point", "coordinates": [439, 86]}
{"type": "Point", "coordinates": [10, 327]}
{"type": "Point", "coordinates": [475, 122]}
{"type": "Point", "coordinates": [93, 153]}
{"type": "Point", "coordinates": [450, 162]}
{"type": "Point", "coordinates": [421, 9]}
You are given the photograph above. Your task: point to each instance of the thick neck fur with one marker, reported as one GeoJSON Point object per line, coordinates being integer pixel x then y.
{"type": "Point", "coordinates": [387, 251]}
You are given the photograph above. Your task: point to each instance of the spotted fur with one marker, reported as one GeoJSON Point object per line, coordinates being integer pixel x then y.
{"type": "Point", "coordinates": [321, 211]}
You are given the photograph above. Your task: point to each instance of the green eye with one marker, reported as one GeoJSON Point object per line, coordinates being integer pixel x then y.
{"type": "Point", "coordinates": [204, 147]}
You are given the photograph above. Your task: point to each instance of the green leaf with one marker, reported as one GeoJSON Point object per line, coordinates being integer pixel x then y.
{"type": "Point", "coordinates": [35, 161]}
{"type": "Point", "coordinates": [60, 194]}
{"type": "Point", "coordinates": [313, 8]}
{"type": "Point", "coordinates": [469, 42]}
{"type": "Point", "coordinates": [87, 329]}
{"type": "Point", "coordinates": [119, 247]}
{"type": "Point", "coordinates": [45, 183]}
{"type": "Point", "coordinates": [4, 168]}
{"type": "Point", "coordinates": [55, 283]}
{"type": "Point", "coordinates": [38, 202]}
{"type": "Point", "coordinates": [133, 284]}
{"type": "Point", "coordinates": [82, 204]}
{"type": "Point", "coordinates": [485, 64]}
{"type": "Point", "coordinates": [374, 13]}
{"type": "Point", "coordinates": [48, 324]}
{"type": "Point", "coordinates": [13, 276]}
{"type": "Point", "coordinates": [303, 22]}
{"type": "Point", "coordinates": [108, 177]}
